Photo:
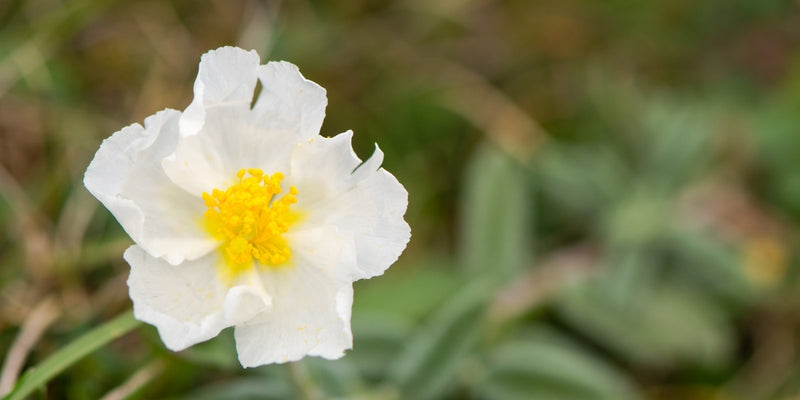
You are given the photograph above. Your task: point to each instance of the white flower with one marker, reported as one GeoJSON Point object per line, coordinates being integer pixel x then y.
{"type": "Point", "coordinates": [244, 216]}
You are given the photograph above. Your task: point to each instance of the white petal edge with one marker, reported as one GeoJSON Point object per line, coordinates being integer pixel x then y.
{"type": "Point", "coordinates": [226, 77]}
{"type": "Point", "coordinates": [288, 101]}
{"type": "Point", "coordinates": [312, 304]}
{"type": "Point", "coordinates": [126, 176]}
{"type": "Point", "coordinates": [373, 212]}
{"type": "Point", "coordinates": [188, 303]}
{"type": "Point", "coordinates": [360, 198]}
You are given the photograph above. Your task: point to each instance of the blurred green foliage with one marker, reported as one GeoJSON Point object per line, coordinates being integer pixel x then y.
{"type": "Point", "coordinates": [604, 196]}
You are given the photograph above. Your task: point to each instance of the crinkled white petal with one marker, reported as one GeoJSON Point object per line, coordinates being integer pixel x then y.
{"type": "Point", "coordinates": [188, 303]}
{"type": "Point", "coordinates": [220, 134]}
{"type": "Point", "coordinates": [373, 212]}
{"type": "Point", "coordinates": [226, 78]}
{"type": "Point", "coordinates": [225, 144]}
{"type": "Point", "coordinates": [311, 303]}
{"type": "Point", "coordinates": [288, 101]}
{"type": "Point", "coordinates": [363, 199]}
{"type": "Point", "coordinates": [126, 176]}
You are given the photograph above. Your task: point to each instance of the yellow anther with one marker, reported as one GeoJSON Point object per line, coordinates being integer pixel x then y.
{"type": "Point", "coordinates": [256, 172]}
{"type": "Point", "coordinates": [249, 218]}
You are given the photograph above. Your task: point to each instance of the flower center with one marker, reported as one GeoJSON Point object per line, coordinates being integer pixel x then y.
{"type": "Point", "coordinates": [250, 219]}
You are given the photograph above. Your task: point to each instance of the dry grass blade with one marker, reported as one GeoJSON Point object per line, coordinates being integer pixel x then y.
{"type": "Point", "coordinates": [40, 318]}
{"type": "Point", "coordinates": [136, 381]}
{"type": "Point", "coordinates": [491, 111]}
{"type": "Point", "coordinates": [474, 98]}
{"type": "Point", "coordinates": [30, 224]}
{"type": "Point", "coordinates": [561, 269]}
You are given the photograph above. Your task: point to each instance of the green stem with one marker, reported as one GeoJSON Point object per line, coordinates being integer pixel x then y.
{"type": "Point", "coordinates": [37, 376]}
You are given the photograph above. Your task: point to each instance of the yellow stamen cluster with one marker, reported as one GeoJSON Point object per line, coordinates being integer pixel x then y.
{"type": "Point", "coordinates": [250, 219]}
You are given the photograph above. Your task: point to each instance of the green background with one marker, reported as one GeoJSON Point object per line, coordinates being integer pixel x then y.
{"type": "Point", "coordinates": [604, 196]}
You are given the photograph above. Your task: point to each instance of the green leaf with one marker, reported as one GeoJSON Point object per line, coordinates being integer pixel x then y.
{"type": "Point", "coordinates": [652, 326]}
{"type": "Point", "coordinates": [248, 388]}
{"type": "Point", "coordinates": [496, 234]}
{"type": "Point", "coordinates": [62, 359]}
{"type": "Point", "coordinates": [335, 378]}
{"type": "Point", "coordinates": [712, 264]}
{"type": "Point", "coordinates": [434, 355]}
{"type": "Point", "coordinates": [637, 219]}
{"type": "Point", "coordinates": [219, 352]}
{"type": "Point", "coordinates": [431, 283]}
{"type": "Point", "coordinates": [377, 339]}
{"type": "Point", "coordinates": [585, 178]}
{"type": "Point", "coordinates": [546, 366]}
{"type": "Point", "coordinates": [679, 142]}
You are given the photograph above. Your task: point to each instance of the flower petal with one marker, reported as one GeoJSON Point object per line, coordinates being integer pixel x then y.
{"type": "Point", "coordinates": [220, 134]}
{"type": "Point", "coordinates": [373, 212]}
{"type": "Point", "coordinates": [226, 143]}
{"type": "Point", "coordinates": [288, 101]}
{"type": "Point", "coordinates": [226, 78]}
{"type": "Point", "coordinates": [126, 176]}
{"type": "Point", "coordinates": [188, 303]}
{"type": "Point", "coordinates": [360, 198]}
{"type": "Point", "coordinates": [311, 304]}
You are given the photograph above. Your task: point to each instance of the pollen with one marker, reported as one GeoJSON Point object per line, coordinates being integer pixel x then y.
{"type": "Point", "coordinates": [249, 217]}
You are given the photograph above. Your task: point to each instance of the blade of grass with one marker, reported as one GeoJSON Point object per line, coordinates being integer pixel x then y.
{"type": "Point", "coordinates": [60, 360]}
